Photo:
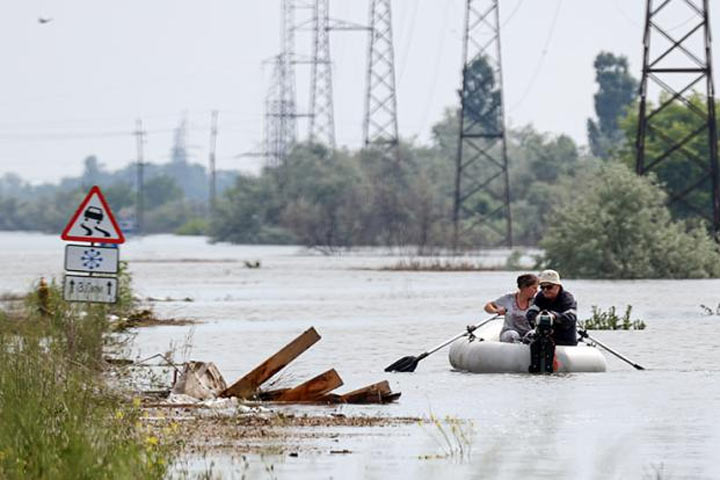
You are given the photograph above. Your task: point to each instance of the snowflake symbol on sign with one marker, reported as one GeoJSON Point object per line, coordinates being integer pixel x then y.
{"type": "Point", "coordinates": [92, 259]}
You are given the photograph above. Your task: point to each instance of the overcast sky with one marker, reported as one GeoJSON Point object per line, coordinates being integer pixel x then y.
{"type": "Point", "coordinates": [75, 86]}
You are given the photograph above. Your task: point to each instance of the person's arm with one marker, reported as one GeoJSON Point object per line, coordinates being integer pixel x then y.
{"type": "Point", "coordinates": [566, 313]}
{"type": "Point", "coordinates": [533, 311]}
{"type": "Point", "coordinates": [492, 307]}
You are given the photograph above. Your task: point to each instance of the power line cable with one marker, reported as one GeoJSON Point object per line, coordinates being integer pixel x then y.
{"type": "Point", "coordinates": [408, 41]}
{"type": "Point", "coordinates": [436, 71]}
{"type": "Point", "coordinates": [541, 61]}
{"type": "Point", "coordinates": [512, 14]}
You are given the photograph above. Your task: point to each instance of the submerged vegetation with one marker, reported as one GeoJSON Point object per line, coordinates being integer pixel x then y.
{"type": "Point", "coordinates": [453, 436]}
{"type": "Point", "coordinates": [709, 311]}
{"type": "Point", "coordinates": [610, 320]}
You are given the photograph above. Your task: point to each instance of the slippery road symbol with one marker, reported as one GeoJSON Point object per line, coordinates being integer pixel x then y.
{"type": "Point", "coordinates": [93, 221]}
{"type": "Point", "coordinates": [96, 214]}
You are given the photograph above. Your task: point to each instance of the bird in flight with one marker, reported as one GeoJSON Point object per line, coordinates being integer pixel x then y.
{"type": "Point", "coordinates": [44, 20]}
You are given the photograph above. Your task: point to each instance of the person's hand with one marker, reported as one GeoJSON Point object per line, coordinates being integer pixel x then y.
{"type": "Point", "coordinates": [501, 310]}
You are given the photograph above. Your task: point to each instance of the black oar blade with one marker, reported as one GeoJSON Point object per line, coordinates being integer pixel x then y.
{"type": "Point", "coordinates": [405, 364]}
{"type": "Point", "coordinates": [638, 367]}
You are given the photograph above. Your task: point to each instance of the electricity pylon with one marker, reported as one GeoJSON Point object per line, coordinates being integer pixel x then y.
{"type": "Point", "coordinates": [677, 60]}
{"type": "Point", "coordinates": [481, 207]}
{"type": "Point", "coordinates": [380, 127]}
{"type": "Point", "coordinates": [322, 117]}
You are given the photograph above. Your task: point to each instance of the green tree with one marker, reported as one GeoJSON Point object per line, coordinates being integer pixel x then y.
{"type": "Point", "coordinates": [481, 97]}
{"type": "Point", "coordinates": [684, 171]}
{"type": "Point", "coordinates": [119, 195]}
{"type": "Point", "coordinates": [616, 92]}
{"type": "Point", "coordinates": [92, 172]}
{"type": "Point", "coordinates": [10, 214]}
{"type": "Point", "coordinates": [322, 208]}
{"type": "Point", "coordinates": [160, 190]}
{"type": "Point", "coordinates": [619, 227]}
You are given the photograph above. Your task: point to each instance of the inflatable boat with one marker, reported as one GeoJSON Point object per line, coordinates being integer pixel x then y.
{"type": "Point", "coordinates": [484, 353]}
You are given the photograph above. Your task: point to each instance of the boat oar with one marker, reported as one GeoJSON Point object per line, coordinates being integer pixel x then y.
{"type": "Point", "coordinates": [409, 363]}
{"type": "Point", "coordinates": [584, 334]}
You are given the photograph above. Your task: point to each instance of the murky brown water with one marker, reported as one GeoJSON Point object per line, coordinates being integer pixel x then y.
{"type": "Point", "coordinates": [619, 424]}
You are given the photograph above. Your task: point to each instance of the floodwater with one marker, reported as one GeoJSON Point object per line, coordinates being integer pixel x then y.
{"type": "Point", "coordinates": [660, 423]}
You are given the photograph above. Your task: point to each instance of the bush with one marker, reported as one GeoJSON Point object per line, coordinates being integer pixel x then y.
{"type": "Point", "coordinates": [58, 419]}
{"type": "Point", "coordinates": [619, 227]}
{"type": "Point", "coordinates": [611, 321]}
{"type": "Point", "coordinates": [194, 226]}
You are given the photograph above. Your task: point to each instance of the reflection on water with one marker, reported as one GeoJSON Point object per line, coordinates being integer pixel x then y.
{"type": "Point", "coordinates": [620, 424]}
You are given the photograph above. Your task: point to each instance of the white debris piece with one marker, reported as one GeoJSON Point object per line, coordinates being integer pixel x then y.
{"type": "Point", "coordinates": [200, 380]}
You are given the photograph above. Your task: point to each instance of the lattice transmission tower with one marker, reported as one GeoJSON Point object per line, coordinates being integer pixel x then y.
{"type": "Point", "coordinates": [677, 64]}
{"type": "Point", "coordinates": [281, 105]}
{"type": "Point", "coordinates": [322, 116]}
{"type": "Point", "coordinates": [481, 207]}
{"type": "Point", "coordinates": [277, 142]}
{"type": "Point", "coordinates": [380, 127]}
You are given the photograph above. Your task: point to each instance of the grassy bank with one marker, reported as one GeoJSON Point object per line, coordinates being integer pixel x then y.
{"type": "Point", "coordinates": [58, 416]}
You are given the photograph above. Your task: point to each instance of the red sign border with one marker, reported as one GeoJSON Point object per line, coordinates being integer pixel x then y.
{"type": "Point", "coordinates": [65, 236]}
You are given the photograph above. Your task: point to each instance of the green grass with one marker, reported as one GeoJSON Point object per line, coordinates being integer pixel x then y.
{"type": "Point", "coordinates": [58, 418]}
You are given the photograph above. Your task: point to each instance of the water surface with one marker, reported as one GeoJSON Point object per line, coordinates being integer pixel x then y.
{"type": "Point", "coordinates": [619, 424]}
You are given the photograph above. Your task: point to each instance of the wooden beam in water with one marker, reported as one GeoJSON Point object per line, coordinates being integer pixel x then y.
{"type": "Point", "coordinates": [313, 388]}
{"type": "Point", "coordinates": [371, 394]}
{"type": "Point", "coordinates": [247, 386]}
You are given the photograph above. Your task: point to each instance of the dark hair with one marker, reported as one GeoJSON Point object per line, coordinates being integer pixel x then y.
{"type": "Point", "coordinates": [526, 280]}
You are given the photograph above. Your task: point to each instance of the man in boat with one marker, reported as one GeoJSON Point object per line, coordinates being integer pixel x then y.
{"type": "Point", "coordinates": [559, 304]}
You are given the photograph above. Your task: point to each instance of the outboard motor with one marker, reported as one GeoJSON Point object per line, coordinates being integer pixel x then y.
{"type": "Point", "coordinates": [542, 347]}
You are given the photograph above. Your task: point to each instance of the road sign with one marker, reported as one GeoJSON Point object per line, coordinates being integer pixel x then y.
{"type": "Point", "coordinates": [83, 258]}
{"type": "Point", "coordinates": [79, 288]}
{"type": "Point", "coordinates": [93, 221]}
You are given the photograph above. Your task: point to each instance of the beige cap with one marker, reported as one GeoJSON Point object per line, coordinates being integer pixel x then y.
{"type": "Point", "coordinates": [549, 276]}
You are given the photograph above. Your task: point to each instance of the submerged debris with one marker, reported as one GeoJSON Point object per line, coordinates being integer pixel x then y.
{"type": "Point", "coordinates": [315, 390]}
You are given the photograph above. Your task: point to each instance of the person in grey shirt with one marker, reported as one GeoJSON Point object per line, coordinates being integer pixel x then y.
{"type": "Point", "coordinates": [514, 306]}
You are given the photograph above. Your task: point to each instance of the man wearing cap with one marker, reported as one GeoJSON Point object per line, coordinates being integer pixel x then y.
{"type": "Point", "coordinates": [560, 304]}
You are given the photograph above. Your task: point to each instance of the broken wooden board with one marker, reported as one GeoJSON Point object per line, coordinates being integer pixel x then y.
{"type": "Point", "coordinates": [247, 386]}
{"type": "Point", "coordinates": [378, 393]}
{"type": "Point", "coordinates": [313, 388]}
{"type": "Point", "coordinates": [271, 395]}
{"type": "Point", "coordinates": [370, 394]}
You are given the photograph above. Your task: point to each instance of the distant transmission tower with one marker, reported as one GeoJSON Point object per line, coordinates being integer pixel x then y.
{"type": "Point", "coordinates": [481, 208]}
{"type": "Point", "coordinates": [381, 126]}
{"type": "Point", "coordinates": [276, 145]}
{"type": "Point", "coordinates": [322, 118]}
{"type": "Point", "coordinates": [281, 112]}
{"type": "Point", "coordinates": [140, 187]}
{"type": "Point", "coordinates": [280, 106]}
{"type": "Point", "coordinates": [212, 194]}
{"type": "Point", "coordinates": [680, 64]}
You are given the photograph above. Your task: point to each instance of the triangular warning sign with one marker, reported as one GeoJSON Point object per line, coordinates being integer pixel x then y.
{"type": "Point", "coordinates": [93, 221]}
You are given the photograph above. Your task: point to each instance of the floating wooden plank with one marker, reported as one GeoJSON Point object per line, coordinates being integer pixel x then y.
{"type": "Point", "coordinates": [247, 386]}
{"type": "Point", "coordinates": [271, 395]}
{"type": "Point", "coordinates": [391, 397]}
{"type": "Point", "coordinates": [370, 394]}
{"type": "Point", "coordinates": [313, 388]}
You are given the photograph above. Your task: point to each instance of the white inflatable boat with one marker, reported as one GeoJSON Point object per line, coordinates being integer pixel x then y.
{"type": "Point", "coordinates": [486, 354]}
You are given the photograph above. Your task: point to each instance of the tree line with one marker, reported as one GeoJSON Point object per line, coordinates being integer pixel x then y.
{"type": "Point", "coordinates": [584, 206]}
